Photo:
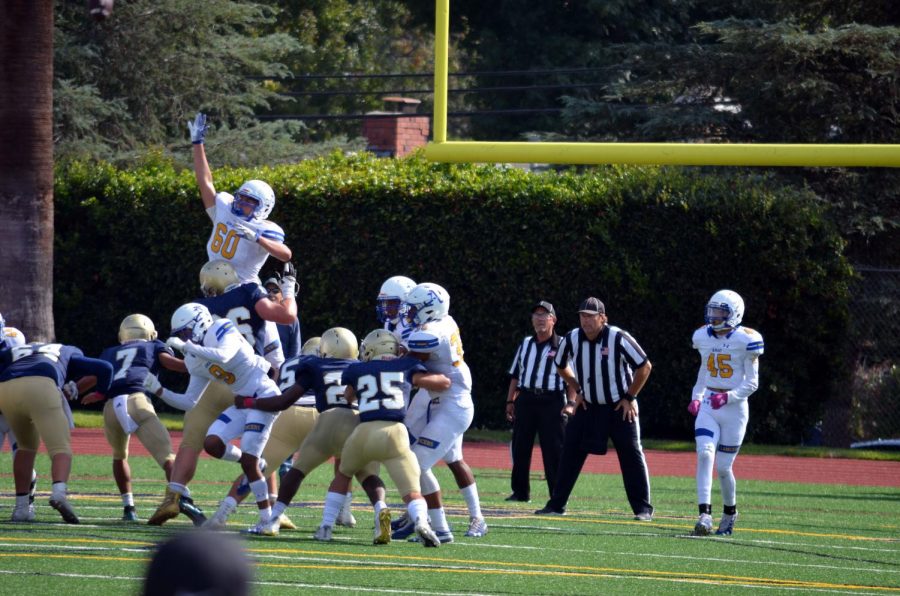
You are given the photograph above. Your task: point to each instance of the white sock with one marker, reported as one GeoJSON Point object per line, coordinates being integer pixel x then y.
{"type": "Point", "coordinates": [272, 498]}
{"type": "Point", "coordinates": [438, 520]}
{"type": "Point", "coordinates": [22, 501]}
{"type": "Point", "coordinates": [260, 490]}
{"type": "Point", "coordinates": [265, 514]}
{"type": "Point", "coordinates": [348, 501]}
{"type": "Point", "coordinates": [127, 499]}
{"type": "Point", "coordinates": [58, 491]}
{"type": "Point", "coordinates": [233, 453]}
{"type": "Point", "coordinates": [333, 504]}
{"type": "Point", "coordinates": [180, 489]}
{"type": "Point", "coordinates": [228, 504]}
{"type": "Point", "coordinates": [278, 508]}
{"type": "Point", "coordinates": [417, 508]}
{"type": "Point", "coordinates": [470, 494]}
{"type": "Point", "coordinates": [379, 505]}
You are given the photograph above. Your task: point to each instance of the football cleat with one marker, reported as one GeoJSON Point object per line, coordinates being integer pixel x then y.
{"type": "Point", "coordinates": [548, 510]}
{"type": "Point", "coordinates": [345, 518]}
{"type": "Point", "coordinates": [443, 536]}
{"type": "Point", "coordinates": [23, 514]}
{"type": "Point", "coordinates": [285, 523]}
{"type": "Point", "coordinates": [726, 524]}
{"type": "Point", "coordinates": [323, 533]}
{"type": "Point", "coordinates": [426, 535]}
{"type": "Point", "coordinates": [220, 518]}
{"type": "Point", "coordinates": [383, 527]}
{"type": "Point", "coordinates": [477, 528]}
{"type": "Point", "coordinates": [129, 514]}
{"type": "Point", "coordinates": [65, 510]}
{"type": "Point", "coordinates": [703, 527]}
{"type": "Point", "coordinates": [644, 516]}
{"type": "Point", "coordinates": [404, 531]}
{"type": "Point", "coordinates": [187, 507]}
{"type": "Point", "coordinates": [400, 522]}
{"type": "Point", "coordinates": [167, 510]}
{"type": "Point", "coordinates": [264, 528]}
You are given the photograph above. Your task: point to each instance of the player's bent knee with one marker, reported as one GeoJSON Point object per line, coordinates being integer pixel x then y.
{"type": "Point", "coordinates": [214, 446]}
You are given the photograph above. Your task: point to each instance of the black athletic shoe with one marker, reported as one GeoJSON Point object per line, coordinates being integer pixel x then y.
{"type": "Point", "coordinates": [517, 498]}
{"type": "Point", "coordinates": [187, 507]}
{"type": "Point", "coordinates": [548, 510]}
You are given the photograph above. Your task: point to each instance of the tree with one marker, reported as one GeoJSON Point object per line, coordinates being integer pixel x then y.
{"type": "Point", "coordinates": [26, 166]}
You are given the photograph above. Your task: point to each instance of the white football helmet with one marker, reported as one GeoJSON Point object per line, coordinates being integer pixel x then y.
{"type": "Point", "coordinates": [426, 302]}
{"type": "Point", "coordinates": [423, 342]}
{"type": "Point", "coordinates": [217, 277]}
{"type": "Point", "coordinates": [339, 342]}
{"type": "Point", "coordinates": [262, 195]}
{"type": "Point", "coordinates": [136, 326]}
{"type": "Point", "coordinates": [391, 297]}
{"type": "Point", "coordinates": [311, 346]}
{"type": "Point", "coordinates": [724, 310]}
{"type": "Point", "coordinates": [380, 344]}
{"type": "Point", "coordinates": [191, 317]}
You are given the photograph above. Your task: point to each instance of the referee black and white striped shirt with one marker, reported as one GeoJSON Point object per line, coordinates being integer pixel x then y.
{"type": "Point", "coordinates": [605, 366]}
{"type": "Point", "coordinates": [535, 368]}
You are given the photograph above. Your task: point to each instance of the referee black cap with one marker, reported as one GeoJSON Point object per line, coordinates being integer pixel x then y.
{"type": "Point", "coordinates": [545, 305]}
{"type": "Point", "coordinates": [592, 306]}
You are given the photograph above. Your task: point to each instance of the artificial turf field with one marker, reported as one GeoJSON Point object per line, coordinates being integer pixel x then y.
{"type": "Point", "coordinates": [791, 538]}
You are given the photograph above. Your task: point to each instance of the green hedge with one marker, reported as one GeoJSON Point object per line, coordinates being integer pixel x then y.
{"type": "Point", "coordinates": [652, 243]}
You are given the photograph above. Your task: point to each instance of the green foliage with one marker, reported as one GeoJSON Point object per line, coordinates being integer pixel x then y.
{"type": "Point", "coordinates": [653, 243]}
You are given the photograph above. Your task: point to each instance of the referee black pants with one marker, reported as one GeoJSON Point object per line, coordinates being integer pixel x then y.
{"type": "Point", "coordinates": [586, 432]}
{"type": "Point", "coordinates": [539, 415]}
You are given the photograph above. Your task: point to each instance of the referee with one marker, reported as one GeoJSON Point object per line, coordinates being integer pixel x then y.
{"type": "Point", "coordinates": [608, 369]}
{"type": "Point", "coordinates": [534, 402]}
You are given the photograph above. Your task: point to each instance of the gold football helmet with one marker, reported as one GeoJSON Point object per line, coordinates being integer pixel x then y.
{"type": "Point", "coordinates": [216, 277]}
{"type": "Point", "coordinates": [380, 344]}
{"type": "Point", "coordinates": [339, 342]}
{"type": "Point", "coordinates": [136, 326]}
{"type": "Point", "coordinates": [311, 346]}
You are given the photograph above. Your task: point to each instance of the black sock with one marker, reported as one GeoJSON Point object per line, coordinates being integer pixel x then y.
{"type": "Point", "coordinates": [729, 509]}
{"type": "Point", "coordinates": [705, 508]}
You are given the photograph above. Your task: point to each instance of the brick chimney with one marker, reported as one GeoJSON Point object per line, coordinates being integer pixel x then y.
{"type": "Point", "coordinates": [394, 132]}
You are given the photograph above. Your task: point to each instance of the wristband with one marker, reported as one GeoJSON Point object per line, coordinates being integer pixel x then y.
{"type": "Point", "coordinates": [249, 402]}
{"type": "Point", "coordinates": [629, 397]}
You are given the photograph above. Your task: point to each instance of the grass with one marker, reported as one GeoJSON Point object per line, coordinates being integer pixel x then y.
{"type": "Point", "coordinates": [790, 538]}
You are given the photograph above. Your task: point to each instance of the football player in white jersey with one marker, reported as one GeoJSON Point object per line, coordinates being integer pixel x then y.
{"type": "Point", "coordinates": [439, 423]}
{"type": "Point", "coordinates": [241, 233]}
{"type": "Point", "coordinates": [729, 374]}
{"type": "Point", "coordinates": [217, 351]}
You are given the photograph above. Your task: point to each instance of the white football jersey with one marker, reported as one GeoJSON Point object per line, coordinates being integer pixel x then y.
{"type": "Point", "coordinates": [225, 356]}
{"type": "Point", "coordinates": [13, 337]}
{"type": "Point", "coordinates": [224, 243]}
{"type": "Point", "coordinates": [448, 359]}
{"type": "Point", "coordinates": [729, 363]}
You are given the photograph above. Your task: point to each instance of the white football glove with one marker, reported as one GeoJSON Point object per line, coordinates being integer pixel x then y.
{"type": "Point", "coordinates": [197, 128]}
{"type": "Point", "coordinates": [289, 287]}
{"type": "Point", "coordinates": [70, 391]}
{"type": "Point", "coordinates": [152, 384]}
{"type": "Point", "coordinates": [245, 231]}
{"type": "Point", "coordinates": [176, 343]}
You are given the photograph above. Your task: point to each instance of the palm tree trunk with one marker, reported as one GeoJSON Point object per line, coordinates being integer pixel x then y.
{"type": "Point", "coordinates": [26, 166]}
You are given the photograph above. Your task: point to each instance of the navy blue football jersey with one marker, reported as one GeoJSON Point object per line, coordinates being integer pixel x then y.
{"type": "Point", "coordinates": [131, 362]}
{"type": "Point", "coordinates": [58, 362]}
{"type": "Point", "coordinates": [239, 306]}
{"type": "Point", "coordinates": [323, 376]}
{"type": "Point", "coordinates": [382, 387]}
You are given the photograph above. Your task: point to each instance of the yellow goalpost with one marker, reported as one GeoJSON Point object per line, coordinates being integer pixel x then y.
{"type": "Point", "coordinates": [695, 154]}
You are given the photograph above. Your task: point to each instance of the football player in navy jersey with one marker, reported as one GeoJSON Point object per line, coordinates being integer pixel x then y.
{"type": "Point", "coordinates": [128, 410]}
{"type": "Point", "coordinates": [248, 307]}
{"type": "Point", "coordinates": [337, 419]}
{"type": "Point", "coordinates": [10, 337]}
{"type": "Point", "coordinates": [381, 384]}
{"type": "Point", "coordinates": [31, 398]}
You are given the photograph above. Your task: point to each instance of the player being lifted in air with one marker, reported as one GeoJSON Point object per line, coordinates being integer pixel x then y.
{"type": "Point", "coordinates": [728, 375]}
